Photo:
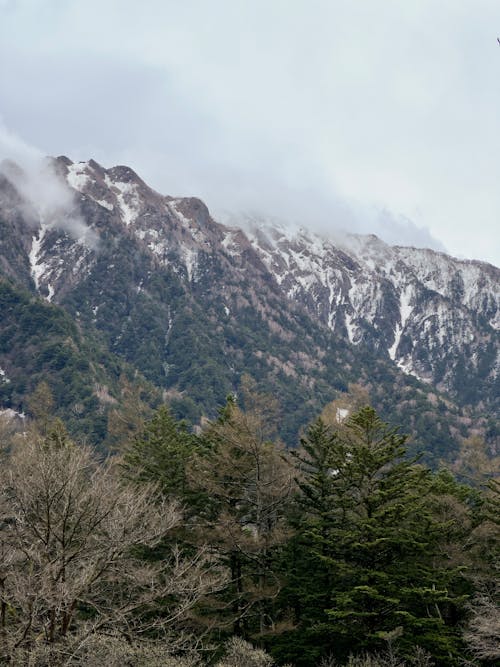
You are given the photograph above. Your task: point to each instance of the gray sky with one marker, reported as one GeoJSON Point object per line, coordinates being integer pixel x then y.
{"type": "Point", "coordinates": [372, 115]}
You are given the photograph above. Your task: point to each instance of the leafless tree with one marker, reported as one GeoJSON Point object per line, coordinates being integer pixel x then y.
{"type": "Point", "coordinates": [98, 650]}
{"type": "Point", "coordinates": [240, 653]}
{"type": "Point", "coordinates": [71, 532]}
{"type": "Point", "coordinates": [483, 632]}
{"type": "Point", "coordinates": [420, 658]}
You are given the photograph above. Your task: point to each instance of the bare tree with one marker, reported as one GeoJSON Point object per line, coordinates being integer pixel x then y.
{"type": "Point", "coordinates": [240, 653]}
{"type": "Point", "coordinates": [98, 650]}
{"type": "Point", "coordinates": [71, 532]}
{"type": "Point", "coordinates": [483, 632]}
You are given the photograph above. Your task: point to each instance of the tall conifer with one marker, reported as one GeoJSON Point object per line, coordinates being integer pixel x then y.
{"type": "Point", "coordinates": [370, 544]}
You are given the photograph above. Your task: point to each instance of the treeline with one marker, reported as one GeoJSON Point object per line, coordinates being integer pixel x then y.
{"type": "Point", "coordinates": [224, 548]}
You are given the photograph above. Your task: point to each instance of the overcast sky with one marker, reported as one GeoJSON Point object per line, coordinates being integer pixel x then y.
{"type": "Point", "coordinates": [372, 115]}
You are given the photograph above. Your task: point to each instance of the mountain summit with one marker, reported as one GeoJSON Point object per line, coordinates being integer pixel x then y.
{"type": "Point", "coordinates": [193, 303]}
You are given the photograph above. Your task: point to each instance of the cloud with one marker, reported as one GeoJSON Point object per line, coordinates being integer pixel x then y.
{"type": "Point", "coordinates": [334, 113]}
{"type": "Point", "coordinates": [398, 230]}
{"type": "Point", "coordinates": [48, 198]}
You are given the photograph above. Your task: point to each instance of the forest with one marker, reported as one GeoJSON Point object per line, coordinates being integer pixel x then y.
{"type": "Point", "coordinates": [224, 547]}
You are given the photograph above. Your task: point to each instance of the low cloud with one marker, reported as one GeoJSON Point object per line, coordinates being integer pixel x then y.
{"type": "Point", "coordinates": [48, 199]}
{"type": "Point", "coordinates": [299, 112]}
{"type": "Point", "coordinates": [399, 230]}
{"type": "Point", "coordinates": [331, 216]}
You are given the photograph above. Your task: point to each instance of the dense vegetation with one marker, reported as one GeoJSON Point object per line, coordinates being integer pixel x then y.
{"type": "Point", "coordinates": [95, 391]}
{"type": "Point", "coordinates": [41, 343]}
{"type": "Point", "coordinates": [223, 547]}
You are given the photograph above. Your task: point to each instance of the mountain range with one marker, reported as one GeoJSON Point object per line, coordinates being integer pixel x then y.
{"type": "Point", "coordinates": [119, 286]}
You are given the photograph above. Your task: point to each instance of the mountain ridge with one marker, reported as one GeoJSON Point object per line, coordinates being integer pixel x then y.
{"type": "Point", "coordinates": [190, 301]}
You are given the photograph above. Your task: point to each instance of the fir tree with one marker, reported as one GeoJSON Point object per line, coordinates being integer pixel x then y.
{"type": "Point", "coordinates": [371, 545]}
{"type": "Point", "coordinates": [161, 454]}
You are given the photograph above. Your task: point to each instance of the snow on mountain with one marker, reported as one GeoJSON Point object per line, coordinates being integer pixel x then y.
{"type": "Point", "coordinates": [422, 308]}
{"type": "Point", "coordinates": [434, 316]}
{"type": "Point", "coordinates": [418, 305]}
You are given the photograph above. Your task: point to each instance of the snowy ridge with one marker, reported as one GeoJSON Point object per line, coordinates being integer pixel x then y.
{"type": "Point", "coordinates": [416, 304]}
{"type": "Point", "coordinates": [120, 191]}
{"type": "Point", "coordinates": [428, 313]}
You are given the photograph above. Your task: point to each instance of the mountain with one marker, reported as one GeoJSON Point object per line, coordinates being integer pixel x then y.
{"type": "Point", "coordinates": [192, 304]}
{"type": "Point", "coordinates": [435, 316]}
{"type": "Point", "coordinates": [40, 342]}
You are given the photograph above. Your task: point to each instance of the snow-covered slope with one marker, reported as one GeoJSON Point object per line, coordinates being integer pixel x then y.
{"type": "Point", "coordinates": [435, 316]}
{"type": "Point", "coordinates": [432, 316]}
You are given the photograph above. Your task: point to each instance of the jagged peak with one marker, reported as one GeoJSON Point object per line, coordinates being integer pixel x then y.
{"type": "Point", "coordinates": [124, 174]}
{"type": "Point", "coordinates": [63, 159]}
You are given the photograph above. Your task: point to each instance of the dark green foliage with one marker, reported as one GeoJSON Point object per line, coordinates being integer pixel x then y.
{"type": "Point", "coordinates": [41, 342]}
{"type": "Point", "coordinates": [376, 550]}
{"type": "Point", "coordinates": [179, 335]}
{"type": "Point", "coordinates": [196, 341]}
{"type": "Point", "coordinates": [368, 535]}
{"type": "Point", "coordinates": [161, 454]}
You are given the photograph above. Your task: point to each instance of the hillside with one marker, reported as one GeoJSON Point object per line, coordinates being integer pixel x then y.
{"type": "Point", "coordinates": [193, 304]}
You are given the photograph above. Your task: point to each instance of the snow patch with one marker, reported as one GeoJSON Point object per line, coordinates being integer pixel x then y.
{"type": "Point", "coordinates": [178, 214]}
{"type": "Point", "coordinates": [229, 243]}
{"type": "Point", "coordinates": [104, 204]}
{"type": "Point", "coordinates": [159, 248]}
{"type": "Point", "coordinates": [37, 268]}
{"type": "Point", "coordinates": [405, 311]}
{"type": "Point", "coordinates": [77, 178]}
{"type": "Point", "coordinates": [350, 326]}
{"type": "Point", "coordinates": [128, 199]}
{"type": "Point", "coordinates": [406, 366]}
{"type": "Point", "coordinates": [11, 414]}
{"type": "Point", "coordinates": [190, 257]}
{"type": "Point", "coordinates": [190, 226]}
{"type": "Point", "coordinates": [342, 413]}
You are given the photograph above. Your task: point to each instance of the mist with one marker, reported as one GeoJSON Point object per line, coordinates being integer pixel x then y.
{"type": "Point", "coordinates": [333, 115]}
{"type": "Point", "coordinates": [48, 199]}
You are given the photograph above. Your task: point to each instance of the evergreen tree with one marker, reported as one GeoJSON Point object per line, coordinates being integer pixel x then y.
{"type": "Point", "coordinates": [371, 546]}
{"type": "Point", "coordinates": [161, 454]}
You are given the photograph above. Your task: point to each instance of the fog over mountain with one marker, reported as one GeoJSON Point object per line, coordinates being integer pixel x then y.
{"type": "Point", "coordinates": [192, 304]}
{"type": "Point", "coordinates": [47, 200]}
{"type": "Point", "coordinates": [338, 115]}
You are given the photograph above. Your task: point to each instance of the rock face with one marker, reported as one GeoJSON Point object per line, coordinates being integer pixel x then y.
{"type": "Point", "coordinates": [194, 303]}
{"type": "Point", "coordinates": [435, 316]}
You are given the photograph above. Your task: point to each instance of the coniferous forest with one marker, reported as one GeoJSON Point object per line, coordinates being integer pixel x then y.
{"type": "Point", "coordinates": [224, 547]}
